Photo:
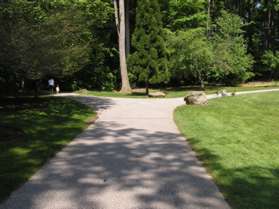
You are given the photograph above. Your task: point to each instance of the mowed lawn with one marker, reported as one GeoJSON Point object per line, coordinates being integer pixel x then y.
{"type": "Point", "coordinates": [175, 92]}
{"type": "Point", "coordinates": [31, 132]}
{"type": "Point", "coordinates": [237, 139]}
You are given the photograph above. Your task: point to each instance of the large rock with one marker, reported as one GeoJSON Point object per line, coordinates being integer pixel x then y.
{"type": "Point", "coordinates": [196, 98]}
{"type": "Point", "coordinates": [157, 94]}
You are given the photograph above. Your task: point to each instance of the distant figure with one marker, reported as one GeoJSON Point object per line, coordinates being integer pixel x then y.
{"type": "Point", "coordinates": [57, 89]}
{"type": "Point", "coordinates": [51, 84]}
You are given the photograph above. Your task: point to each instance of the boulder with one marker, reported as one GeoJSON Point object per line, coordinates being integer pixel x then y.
{"type": "Point", "coordinates": [196, 98]}
{"type": "Point", "coordinates": [157, 94]}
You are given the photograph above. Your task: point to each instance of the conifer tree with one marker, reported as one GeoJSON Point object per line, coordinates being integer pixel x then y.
{"type": "Point", "coordinates": [149, 61]}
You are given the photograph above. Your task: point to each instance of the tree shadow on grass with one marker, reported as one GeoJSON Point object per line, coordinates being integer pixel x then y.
{"type": "Point", "coordinates": [45, 125]}
{"type": "Point", "coordinates": [153, 168]}
{"type": "Point", "coordinates": [249, 187]}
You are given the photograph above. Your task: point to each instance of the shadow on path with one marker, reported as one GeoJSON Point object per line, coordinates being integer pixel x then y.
{"type": "Point", "coordinates": [115, 165]}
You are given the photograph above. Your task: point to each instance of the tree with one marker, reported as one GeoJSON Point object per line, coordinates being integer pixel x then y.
{"type": "Point", "coordinates": [44, 39]}
{"type": "Point", "coordinates": [232, 62]}
{"type": "Point", "coordinates": [149, 61]}
{"type": "Point", "coordinates": [183, 14]}
{"type": "Point", "coordinates": [192, 56]}
{"type": "Point", "coordinates": [271, 61]}
{"type": "Point", "coordinates": [120, 19]}
{"type": "Point", "coordinates": [100, 73]}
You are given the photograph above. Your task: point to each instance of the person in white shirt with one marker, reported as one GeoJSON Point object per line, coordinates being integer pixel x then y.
{"type": "Point", "coordinates": [51, 84]}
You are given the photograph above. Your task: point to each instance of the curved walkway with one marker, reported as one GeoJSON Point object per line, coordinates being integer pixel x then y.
{"type": "Point", "coordinates": [132, 158]}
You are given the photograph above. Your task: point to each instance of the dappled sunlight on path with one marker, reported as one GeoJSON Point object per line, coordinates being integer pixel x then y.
{"type": "Point", "coordinates": [132, 158]}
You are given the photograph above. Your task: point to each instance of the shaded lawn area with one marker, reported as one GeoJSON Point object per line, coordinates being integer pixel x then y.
{"type": "Point", "coordinates": [175, 92]}
{"type": "Point", "coordinates": [31, 132]}
{"type": "Point", "coordinates": [237, 138]}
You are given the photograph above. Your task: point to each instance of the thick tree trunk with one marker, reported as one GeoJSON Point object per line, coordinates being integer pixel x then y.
{"type": "Point", "coordinates": [120, 19]}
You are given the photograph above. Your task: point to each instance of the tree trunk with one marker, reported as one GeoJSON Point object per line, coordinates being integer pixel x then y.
{"type": "Point", "coordinates": [120, 18]}
{"type": "Point", "coordinates": [127, 22]}
{"type": "Point", "coordinates": [147, 87]}
{"type": "Point", "coordinates": [201, 80]}
{"type": "Point", "coordinates": [116, 14]}
{"type": "Point", "coordinates": [269, 24]}
{"type": "Point", "coordinates": [37, 88]}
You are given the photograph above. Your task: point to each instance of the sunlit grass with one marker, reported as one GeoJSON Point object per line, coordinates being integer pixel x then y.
{"type": "Point", "coordinates": [237, 139]}
{"type": "Point", "coordinates": [180, 91]}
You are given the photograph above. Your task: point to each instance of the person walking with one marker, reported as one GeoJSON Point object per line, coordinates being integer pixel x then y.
{"type": "Point", "coordinates": [57, 89]}
{"type": "Point", "coordinates": [51, 84]}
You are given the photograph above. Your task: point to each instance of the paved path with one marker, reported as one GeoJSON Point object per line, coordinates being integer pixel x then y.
{"type": "Point", "coordinates": [132, 158]}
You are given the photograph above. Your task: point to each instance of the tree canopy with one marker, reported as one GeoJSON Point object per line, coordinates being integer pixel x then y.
{"type": "Point", "coordinates": [175, 42]}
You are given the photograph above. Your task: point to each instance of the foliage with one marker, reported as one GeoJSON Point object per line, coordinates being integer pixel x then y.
{"type": "Point", "coordinates": [183, 14]}
{"type": "Point", "coordinates": [271, 60]}
{"type": "Point", "coordinates": [75, 41]}
{"type": "Point", "coordinates": [42, 40]}
{"type": "Point", "coordinates": [191, 55]}
{"type": "Point", "coordinates": [261, 29]}
{"type": "Point", "coordinates": [232, 63]}
{"type": "Point", "coordinates": [98, 78]}
{"type": "Point", "coordinates": [149, 61]}
{"type": "Point", "coordinates": [102, 72]}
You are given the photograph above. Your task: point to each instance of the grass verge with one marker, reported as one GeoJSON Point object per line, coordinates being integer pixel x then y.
{"type": "Point", "coordinates": [237, 139]}
{"type": "Point", "coordinates": [176, 92]}
{"type": "Point", "coordinates": [31, 132]}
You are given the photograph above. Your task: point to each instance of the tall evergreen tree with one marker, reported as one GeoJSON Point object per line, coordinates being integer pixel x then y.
{"type": "Point", "coordinates": [149, 60]}
{"type": "Point", "coordinates": [186, 14]}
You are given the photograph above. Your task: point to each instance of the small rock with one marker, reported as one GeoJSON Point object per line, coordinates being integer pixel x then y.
{"type": "Point", "coordinates": [196, 98]}
{"type": "Point", "coordinates": [82, 91]}
{"type": "Point", "coordinates": [224, 93]}
{"type": "Point", "coordinates": [157, 94]}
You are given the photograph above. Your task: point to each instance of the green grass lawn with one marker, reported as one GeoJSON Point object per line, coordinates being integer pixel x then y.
{"type": "Point", "coordinates": [31, 132]}
{"type": "Point", "coordinates": [175, 92]}
{"type": "Point", "coordinates": [237, 138]}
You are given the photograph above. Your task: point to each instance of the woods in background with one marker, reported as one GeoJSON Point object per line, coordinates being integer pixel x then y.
{"type": "Point", "coordinates": [90, 43]}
